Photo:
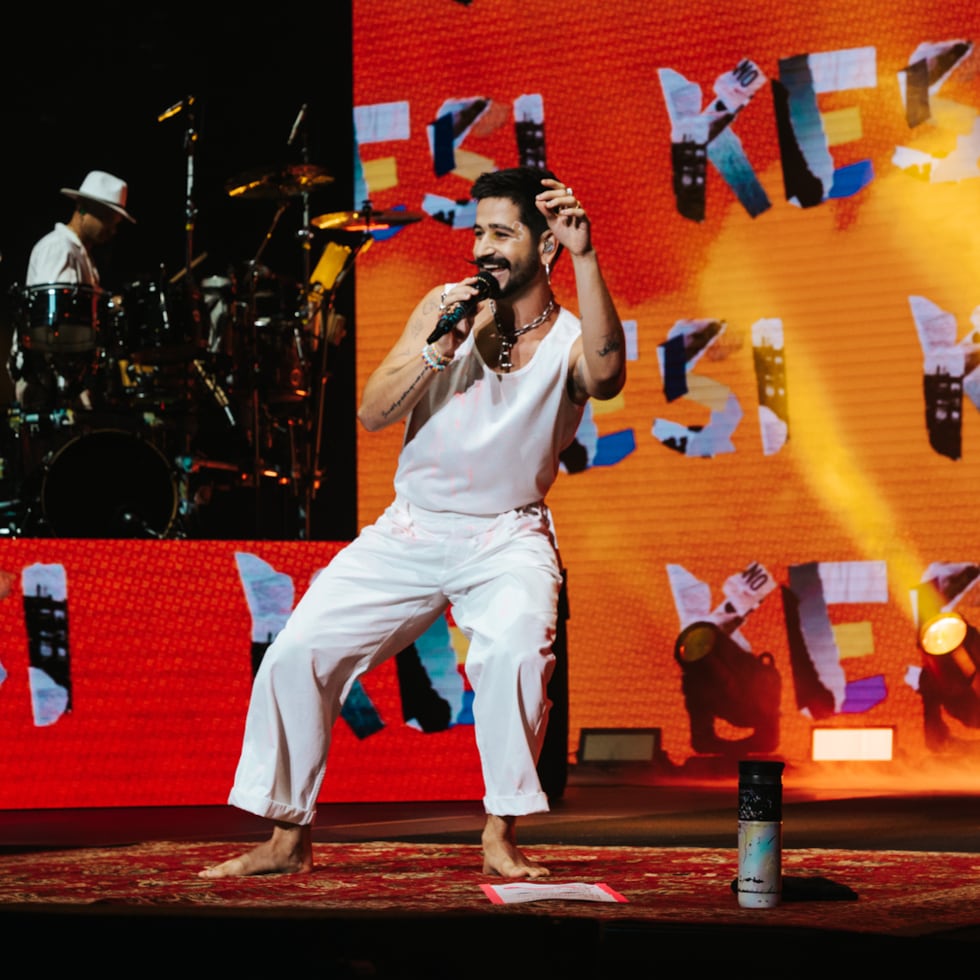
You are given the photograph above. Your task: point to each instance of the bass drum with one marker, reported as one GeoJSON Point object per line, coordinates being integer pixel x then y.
{"type": "Point", "coordinates": [108, 483]}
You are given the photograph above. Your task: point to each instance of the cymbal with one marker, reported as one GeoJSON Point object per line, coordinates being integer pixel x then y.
{"type": "Point", "coordinates": [277, 184]}
{"type": "Point", "coordinates": [366, 220]}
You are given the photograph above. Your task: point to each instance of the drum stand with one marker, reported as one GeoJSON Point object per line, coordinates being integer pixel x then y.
{"type": "Point", "coordinates": [262, 468]}
{"type": "Point", "coordinates": [292, 424]}
{"type": "Point", "coordinates": [326, 311]}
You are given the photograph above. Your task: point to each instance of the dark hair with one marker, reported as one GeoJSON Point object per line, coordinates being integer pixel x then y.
{"type": "Point", "coordinates": [518, 184]}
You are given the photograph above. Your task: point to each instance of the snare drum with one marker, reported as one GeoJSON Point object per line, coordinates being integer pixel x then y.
{"type": "Point", "coordinates": [109, 483]}
{"type": "Point", "coordinates": [60, 317]}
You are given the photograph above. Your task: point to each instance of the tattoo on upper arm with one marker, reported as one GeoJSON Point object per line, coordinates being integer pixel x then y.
{"type": "Point", "coordinates": [612, 346]}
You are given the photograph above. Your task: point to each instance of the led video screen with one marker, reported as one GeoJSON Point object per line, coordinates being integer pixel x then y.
{"type": "Point", "coordinates": [785, 205]}
{"type": "Point", "coordinates": [784, 201]}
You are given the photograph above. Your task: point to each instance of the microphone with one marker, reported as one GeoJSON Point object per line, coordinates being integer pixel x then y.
{"type": "Point", "coordinates": [300, 116]}
{"type": "Point", "coordinates": [175, 108]}
{"type": "Point", "coordinates": [486, 286]}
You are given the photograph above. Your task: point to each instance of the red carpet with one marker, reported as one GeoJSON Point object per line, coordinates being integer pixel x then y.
{"type": "Point", "coordinates": [896, 893]}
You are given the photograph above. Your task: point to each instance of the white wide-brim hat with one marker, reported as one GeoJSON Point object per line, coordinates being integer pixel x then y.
{"type": "Point", "coordinates": [104, 189]}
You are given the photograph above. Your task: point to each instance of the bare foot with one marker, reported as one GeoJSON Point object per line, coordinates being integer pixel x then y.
{"type": "Point", "coordinates": [288, 851]}
{"type": "Point", "coordinates": [501, 855]}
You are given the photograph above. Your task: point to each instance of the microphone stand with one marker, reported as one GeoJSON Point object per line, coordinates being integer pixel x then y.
{"type": "Point", "coordinates": [190, 139]}
{"type": "Point", "coordinates": [190, 292]}
{"type": "Point", "coordinates": [300, 483]}
{"type": "Point", "coordinates": [190, 211]}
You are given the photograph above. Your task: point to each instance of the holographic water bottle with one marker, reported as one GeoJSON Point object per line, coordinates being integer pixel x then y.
{"type": "Point", "coordinates": [760, 834]}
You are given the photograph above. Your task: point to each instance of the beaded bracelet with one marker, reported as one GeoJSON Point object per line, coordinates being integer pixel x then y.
{"type": "Point", "coordinates": [434, 360]}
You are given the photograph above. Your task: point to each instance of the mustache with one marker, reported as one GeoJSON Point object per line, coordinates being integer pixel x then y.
{"type": "Point", "coordinates": [487, 264]}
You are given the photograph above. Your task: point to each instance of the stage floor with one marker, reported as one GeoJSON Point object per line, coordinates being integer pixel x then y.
{"type": "Point", "coordinates": [601, 808]}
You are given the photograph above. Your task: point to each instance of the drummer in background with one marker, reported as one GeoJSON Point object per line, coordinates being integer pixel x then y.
{"type": "Point", "coordinates": [64, 254]}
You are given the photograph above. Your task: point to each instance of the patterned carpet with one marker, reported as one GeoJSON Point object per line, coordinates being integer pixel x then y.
{"type": "Point", "coordinates": [892, 893]}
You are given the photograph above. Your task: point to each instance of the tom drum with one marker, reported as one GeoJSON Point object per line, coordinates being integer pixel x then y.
{"type": "Point", "coordinates": [157, 322]}
{"type": "Point", "coordinates": [60, 317]}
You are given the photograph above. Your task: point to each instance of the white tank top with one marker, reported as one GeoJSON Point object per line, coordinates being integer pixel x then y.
{"type": "Point", "coordinates": [484, 443]}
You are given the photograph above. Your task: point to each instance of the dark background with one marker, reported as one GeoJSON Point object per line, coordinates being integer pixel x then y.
{"type": "Point", "coordinates": [83, 90]}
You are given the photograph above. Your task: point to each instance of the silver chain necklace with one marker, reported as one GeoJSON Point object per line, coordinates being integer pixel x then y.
{"type": "Point", "coordinates": [507, 339]}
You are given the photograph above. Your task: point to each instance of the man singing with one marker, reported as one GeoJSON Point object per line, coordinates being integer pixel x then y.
{"type": "Point", "coordinates": [490, 377]}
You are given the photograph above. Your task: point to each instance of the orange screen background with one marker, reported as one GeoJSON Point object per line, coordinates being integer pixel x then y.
{"type": "Point", "coordinates": [857, 480]}
{"type": "Point", "coordinates": [160, 632]}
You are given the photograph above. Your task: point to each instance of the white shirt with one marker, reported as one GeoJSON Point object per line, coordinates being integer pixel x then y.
{"type": "Point", "coordinates": [484, 443]}
{"type": "Point", "coordinates": [60, 256]}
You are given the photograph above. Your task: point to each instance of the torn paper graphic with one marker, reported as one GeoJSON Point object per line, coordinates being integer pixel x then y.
{"type": "Point", "coordinates": [439, 658]}
{"type": "Point", "coordinates": [686, 342]}
{"type": "Point", "coordinates": [453, 122]}
{"type": "Point", "coordinates": [701, 134]}
{"type": "Point", "coordinates": [702, 442]}
{"type": "Point", "coordinates": [808, 167]}
{"type": "Point", "coordinates": [945, 370]}
{"type": "Point", "coordinates": [529, 130]}
{"type": "Point", "coordinates": [770, 373]}
{"type": "Point", "coordinates": [45, 589]}
{"type": "Point", "coordinates": [942, 587]}
{"type": "Point", "coordinates": [269, 595]}
{"type": "Point", "coordinates": [809, 174]}
{"type": "Point", "coordinates": [382, 121]}
{"type": "Point", "coordinates": [456, 214]}
{"type": "Point", "coordinates": [821, 685]}
{"type": "Point", "coordinates": [744, 592]}
{"type": "Point", "coordinates": [920, 82]}
{"type": "Point", "coordinates": [818, 676]}
{"type": "Point", "coordinates": [928, 68]}
{"type": "Point", "coordinates": [961, 163]}
{"type": "Point", "coordinates": [846, 68]}
{"type": "Point", "coordinates": [7, 580]}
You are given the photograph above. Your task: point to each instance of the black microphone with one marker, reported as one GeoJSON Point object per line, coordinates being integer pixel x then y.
{"type": "Point", "coordinates": [300, 116]}
{"type": "Point", "coordinates": [486, 285]}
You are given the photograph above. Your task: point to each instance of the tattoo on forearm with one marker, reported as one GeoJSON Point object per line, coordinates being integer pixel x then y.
{"type": "Point", "coordinates": [397, 404]}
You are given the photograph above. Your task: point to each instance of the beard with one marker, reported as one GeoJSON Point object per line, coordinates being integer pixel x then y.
{"type": "Point", "coordinates": [520, 274]}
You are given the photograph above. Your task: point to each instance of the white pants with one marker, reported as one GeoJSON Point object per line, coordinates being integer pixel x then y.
{"type": "Point", "coordinates": [502, 577]}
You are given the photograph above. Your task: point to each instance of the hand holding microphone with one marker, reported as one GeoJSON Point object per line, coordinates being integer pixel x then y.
{"type": "Point", "coordinates": [486, 286]}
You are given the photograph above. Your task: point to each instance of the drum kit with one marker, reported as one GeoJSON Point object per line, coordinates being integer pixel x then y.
{"type": "Point", "coordinates": [178, 407]}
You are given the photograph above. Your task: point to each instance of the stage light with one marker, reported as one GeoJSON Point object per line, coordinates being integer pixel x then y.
{"type": "Point", "coordinates": [619, 745]}
{"type": "Point", "coordinates": [949, 636]}
{"type": "Point", "coordinates": [722, 681]}
{"type": "Point", "coordinates": [943, 633]}
{"type": "Point", "coordinates": [697, 641]}
{"type": "Point", "coordinates": [852, 744]}
{"type": "Point", "coordinates": [949, 682]}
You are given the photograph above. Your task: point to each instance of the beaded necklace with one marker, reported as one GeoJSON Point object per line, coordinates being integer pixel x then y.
{"type": "Point", "coordinates": [507, 339]}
